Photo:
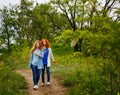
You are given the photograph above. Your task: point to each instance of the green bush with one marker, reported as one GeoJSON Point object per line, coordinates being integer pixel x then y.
{"type": "Point", "coordinates": [17, 59]}
{"type": "Point", "coordinates": [74, 91]}
{"type": "Point", "coordinates": [88, 75]}
{"type": "Point", "coordinates": [69, 81]}
{"type": "Point", "coordinates": [78, 54]}
{"type": "Point", "coordinates": [11, 83]}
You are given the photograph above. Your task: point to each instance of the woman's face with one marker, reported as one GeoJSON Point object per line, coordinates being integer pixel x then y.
{"type": "Point", "coordinates": [44, 42]}
{"type": "Point", "coordinates": [37, 45]}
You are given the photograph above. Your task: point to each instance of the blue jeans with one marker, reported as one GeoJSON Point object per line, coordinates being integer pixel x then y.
{"type": "Point", "coordinates": [48, 73]}
{"type": "Point", "coordinates": [36, 74]}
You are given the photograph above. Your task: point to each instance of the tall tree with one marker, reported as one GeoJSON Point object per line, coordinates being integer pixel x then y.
{"type": "Point", "coordinates": [23, 20]}
{"type": "Point", "coordinates": [75, 12]}
{"type": "Point", "coordinates": [47, 21]}
{"type": "Point", "coordinates": [7, 31]}
{"type": "Point", "coordinates": [110, 6]}
{"type": "Point", "coordinates": [85, 15]}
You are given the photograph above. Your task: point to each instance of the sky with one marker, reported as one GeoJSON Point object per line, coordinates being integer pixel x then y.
{"type": "Point", "coordinates": [14, 2]}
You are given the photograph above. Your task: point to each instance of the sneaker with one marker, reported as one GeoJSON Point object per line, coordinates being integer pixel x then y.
{"type": "Point", "coordinates": [42, 84]}
{"type": "Point", "coordinates": [48, 83]}
{"type": "Point", "coordinates": [35, 87]}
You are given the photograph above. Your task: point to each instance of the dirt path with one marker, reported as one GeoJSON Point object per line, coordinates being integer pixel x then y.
{"type": "Point", "coordinates": [54, 89]}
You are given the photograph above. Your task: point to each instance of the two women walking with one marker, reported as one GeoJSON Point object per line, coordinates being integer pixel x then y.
{"type": "Point", "coordinates": [40, 61]}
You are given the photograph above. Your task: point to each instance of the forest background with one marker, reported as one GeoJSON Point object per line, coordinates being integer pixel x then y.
{"type": "Point", "coordinates": [84, 36]}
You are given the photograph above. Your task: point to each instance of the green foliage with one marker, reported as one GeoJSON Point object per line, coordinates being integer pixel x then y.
{"type": "Point", "coordinates": [6, 30]}
{"type": "Point", "coordinates": [91, 75]}
{"type": "Point", "coordinates": [11, 83]}
{"type": "Point", "coordinates": [65, 37]}
{"type": "Point", "coordinates": [61, 49]}
{"type": "Point", "coordinates": [78, 54]}
{"type": "Point", "coordinates": [18, 58]}
{"type": "Point", "coordinates": [70, 81]}
{"type": "Point", "coordinates": [95, 70]}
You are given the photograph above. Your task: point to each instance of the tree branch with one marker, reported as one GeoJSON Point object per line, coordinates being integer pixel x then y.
{"type": "Point", "coordinates": [66, 14]}
{"type": "Point", "coordinates": [110, 5]}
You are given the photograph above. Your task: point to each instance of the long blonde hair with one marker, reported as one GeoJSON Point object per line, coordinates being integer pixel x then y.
{"type": "Point", "coordinates": [35, 47]}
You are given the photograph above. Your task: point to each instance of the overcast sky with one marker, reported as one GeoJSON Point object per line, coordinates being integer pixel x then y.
{"type": "Point", "coordinates": [13, 2]}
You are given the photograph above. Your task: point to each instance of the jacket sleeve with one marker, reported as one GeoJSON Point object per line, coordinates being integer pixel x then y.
{"type": "Point", "coordinates": [51, 55]}
{"type": "Point", "coordinates": [42, 54]}
{"type": "Point", "coordinates": [39, 53]}
{"type": "Point", "coordinates": [30, 60]}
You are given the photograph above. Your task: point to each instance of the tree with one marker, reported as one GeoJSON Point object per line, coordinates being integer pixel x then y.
{"type": "Point", "coordinates": [110, 6]}
{"type": "Point", "coordinates": [7, 31]}
{"type": "Point", "coordinates": [47, 21]}
{"type": "Point", "coordinates": [85, 15]}
{"type": "Point", "coordinates": [76, 13]}
{"type": "Point", "coordinates": [23, 15]}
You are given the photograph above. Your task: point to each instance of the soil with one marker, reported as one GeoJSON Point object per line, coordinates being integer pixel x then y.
{"type": "Point", "coordinates": [55, 88]}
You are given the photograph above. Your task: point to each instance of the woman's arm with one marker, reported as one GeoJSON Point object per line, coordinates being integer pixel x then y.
{"type": "Point", "coordinates": [52, 56]}
{"type": "Point", "coordinates": [39, 53]}
{"type": "Point", "coordinates": [41, 56]}
{"type": "Point", "coordinates": [30, 60]}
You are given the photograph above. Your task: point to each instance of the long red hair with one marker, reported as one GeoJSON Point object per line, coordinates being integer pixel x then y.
{"type": "Point", "coordinates": [35, 47]}
{"type": "Point", "coordinates": [47, 43]}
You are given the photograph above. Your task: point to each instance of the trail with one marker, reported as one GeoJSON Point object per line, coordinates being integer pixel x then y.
{"type": "Point", "coordinates": [55, 87]}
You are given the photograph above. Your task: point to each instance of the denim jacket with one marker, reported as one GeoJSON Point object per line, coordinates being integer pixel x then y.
{"type": "Point", "coordinates": [36, 60]}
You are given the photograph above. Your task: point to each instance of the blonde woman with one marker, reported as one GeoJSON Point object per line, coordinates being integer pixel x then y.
{"type": "Point", "coordinates": [36, 63]}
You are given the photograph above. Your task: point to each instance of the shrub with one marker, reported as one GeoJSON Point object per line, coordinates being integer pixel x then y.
{"type": "Point", "coordinates": [88, 75]}
{"type": "Point", "coordinates": [11, 83]}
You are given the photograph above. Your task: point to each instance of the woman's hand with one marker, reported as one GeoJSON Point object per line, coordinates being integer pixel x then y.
{"type": "Point", "coordinates": [54, 61]}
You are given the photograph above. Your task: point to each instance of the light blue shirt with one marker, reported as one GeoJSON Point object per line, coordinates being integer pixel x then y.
{"type": "Point", "coordinates": [35, 59]}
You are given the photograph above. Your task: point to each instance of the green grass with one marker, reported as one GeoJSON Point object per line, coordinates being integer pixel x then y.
{"type": "Point", "coordinates": [11, 83]}
{"type": "Point", "coordinates": [87, 75]}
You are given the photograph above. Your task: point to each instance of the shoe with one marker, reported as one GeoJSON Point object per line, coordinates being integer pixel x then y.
{"type": "Point", "coordinates": [48, 83]}
{"type": "Point", "coordinates": [42, 84]}
{"type": "Point", "coordinates": [35, 87]}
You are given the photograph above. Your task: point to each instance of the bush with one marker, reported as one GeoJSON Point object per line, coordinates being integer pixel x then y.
{"type": "Point", "coordinates": [69, 81]}
{"type": "Point", "coordinates": [11, 83]}
{"type": "Point", "coordinates": [88, 75]}
{"type": "Point", "coordinates": [17, 59]}
{"type": "Point", "coordinates": [78, 54]}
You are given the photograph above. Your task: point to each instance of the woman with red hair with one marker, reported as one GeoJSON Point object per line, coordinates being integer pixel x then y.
{"type": "Point", "coordinates": [46, 60]}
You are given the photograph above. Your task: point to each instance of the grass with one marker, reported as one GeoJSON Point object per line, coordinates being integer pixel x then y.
{"type": "Point", "coordinates": [91, 75]}
{"type": "Point", "coordinates": [11, 83]}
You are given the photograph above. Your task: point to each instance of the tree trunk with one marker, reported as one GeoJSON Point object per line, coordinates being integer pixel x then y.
{"type": "Point", "coordinates": [76, 48]}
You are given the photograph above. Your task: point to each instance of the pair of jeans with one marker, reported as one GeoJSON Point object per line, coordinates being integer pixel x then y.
{"type": "Point", "coordinates": [43, 73]}
{"type": "Point", "coordinates": [36, 74]}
